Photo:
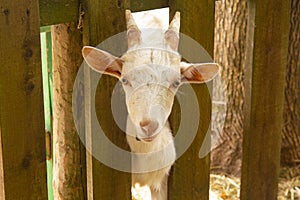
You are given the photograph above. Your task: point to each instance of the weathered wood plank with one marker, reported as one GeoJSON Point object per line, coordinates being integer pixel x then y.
{"type": "Point", "coordinates": [22, 129]}
{"type": "Point", "coordinates": [58, 11]}
{"type": "Point", "coordinates": [68, 181]}
{"type": "Point", "coordinates": [2, 187]}
{"type": "Point", "coordinates": [190, 175]}
{"type": "Point", "coordinates": [140, 5]}
{"type": "Point", "coordinates": [264, 89]}
{"type": "Point", "coordinates": [103, 182]}
{"type": "Point", "coordinates": [63, 11]}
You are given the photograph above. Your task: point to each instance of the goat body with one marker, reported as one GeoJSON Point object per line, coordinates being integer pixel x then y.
{"type": "Point", "coordinates": [150, 76]}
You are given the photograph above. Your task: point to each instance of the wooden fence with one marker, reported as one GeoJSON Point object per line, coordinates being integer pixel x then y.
{"type": "Point", "coordinates": [22, 133]}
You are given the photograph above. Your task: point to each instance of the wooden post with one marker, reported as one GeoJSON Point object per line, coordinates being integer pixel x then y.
{"type": "Point", "coordinates": [190, 174]}
{"type": "Point", "coordinates": [22, 131]}
{"type": "Point", "coordinates": [138, 5]}
{"type": "Point", "coordinates": [267, 42]}
{"type": "Point", "coordinates": [51, 10]}
{"type": "Point", "coordinates": [56, 12]}
{"type": "Point", "coordinates": [69, 163]}
{"type": "Point", "coordinates": [102, 20]}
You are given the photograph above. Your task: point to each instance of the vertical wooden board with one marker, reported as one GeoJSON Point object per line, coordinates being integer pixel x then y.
{"type": "Point", "coordinates": [103, 19]}
{"type": "Point", "coordinates": [264, 90]}
{"type": "Point", "coordinates": [68, 180]}
{"type": "Point", "coordinates": [21, 102]}
{"type": "Point", "coordinates": [55, 12]}
{"type": "Point", "coordinates": [190, 174]}
{"type": "Point", "coordinates": [138, 5]}
{"type": "Point", "coordinates": [197, 20]}
{"type": "Point", "coordinates": [2, 188]}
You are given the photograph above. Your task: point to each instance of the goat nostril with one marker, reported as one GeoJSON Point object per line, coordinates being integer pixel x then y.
{"type": "Point", "coordinates": [148, 126]}
{"type": "Point", "coordinates": [145, 122]}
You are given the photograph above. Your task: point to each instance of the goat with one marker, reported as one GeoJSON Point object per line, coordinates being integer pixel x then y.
{"type": "Point", "coordinates": [150, 78]}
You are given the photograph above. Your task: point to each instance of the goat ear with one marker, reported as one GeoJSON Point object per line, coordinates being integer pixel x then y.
{"type": "Point", "coordinates": [198, 72]}
{"type": "Point", "coordinates": [102, 62]}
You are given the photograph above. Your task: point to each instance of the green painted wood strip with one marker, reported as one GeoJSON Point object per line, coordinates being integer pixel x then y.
{"type": "Point", "coordinates": [45, 29]}
{"type": "Point", "coordinates": [46, 88]}
{"type": "Point", "coordinates": [49, 68]}
{"type": "Point", "coordinates": [190, 174]}
{"type": "Point", "coordinates": [46, 50]}
{"type": "Point", "coordinates": [22, 128]}
{"type": "Point", "coordinates": [267, 40]}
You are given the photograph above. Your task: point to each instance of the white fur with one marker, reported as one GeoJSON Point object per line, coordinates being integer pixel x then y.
{"type": "Point", "coordinates": [152, 25]}
{"type": "Point", "coordinates": [155, 67]}
{"type": "Point", "coordinates": [151, 72]}
{"type": "Point", "coordinates": [156, 180]}
{"type": "Point", "coordinates": [150, 84]}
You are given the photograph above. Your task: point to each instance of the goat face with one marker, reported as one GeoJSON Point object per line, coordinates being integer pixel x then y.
{"type": "Point", "coordinates": [150, 79]}
{"type": "Point", "coordinates": [150, 76]}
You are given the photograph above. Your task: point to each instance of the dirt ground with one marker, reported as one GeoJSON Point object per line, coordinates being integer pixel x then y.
{"type": "Point", "coordinates": [223, 187]}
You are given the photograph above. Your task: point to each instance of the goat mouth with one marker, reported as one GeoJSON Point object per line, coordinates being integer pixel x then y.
{"type": "Point", "coordinates": [146, 139]}
{"type": "Point", "coordinates": [137, 139]}
{"type": "Point", "coordinates": [149, 139]}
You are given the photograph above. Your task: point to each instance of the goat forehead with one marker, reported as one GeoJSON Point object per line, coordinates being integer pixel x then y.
{"type": "Point", "coordinates": [159, 57]}
{"type": "Point", "coordinates": [152, 73]}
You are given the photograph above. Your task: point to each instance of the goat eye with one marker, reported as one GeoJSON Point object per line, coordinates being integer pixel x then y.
{"type": "Point", "coordinates": [176, 84]}
{"type": "Point", "coordinates": [124, 81]}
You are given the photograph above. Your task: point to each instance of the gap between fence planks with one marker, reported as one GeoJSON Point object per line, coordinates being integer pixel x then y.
{"type": "Point", "coordinates": [22, 131]}
{"type": "Point", "coordinates": [267, 41]}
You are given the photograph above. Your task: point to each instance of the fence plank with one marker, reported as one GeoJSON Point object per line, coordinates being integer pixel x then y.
{"type": "Point", "coordinates": [56, 12]}
{"type": "Point", "coordinates": [190, 174]}
{"type": "Point", "coordinates": [68, 181]}
{"type": "Point", "coordinates": [103, 182]}
{"type": "Point", "coordinates": [22, 129]}
{"type": "Point", "coordinates": [267, 54]}
{"type": "Point", "coordinates": [51, 10]}
{"type": "Point", "coordinates": [138, 5]}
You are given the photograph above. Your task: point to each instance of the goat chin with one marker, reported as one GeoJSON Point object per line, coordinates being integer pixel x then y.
{"type": "Point", "coordinates": [155, 180]}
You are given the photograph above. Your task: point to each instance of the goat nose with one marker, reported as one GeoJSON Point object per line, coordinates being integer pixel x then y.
{"type": "Point", "coordinates": [148, 126]}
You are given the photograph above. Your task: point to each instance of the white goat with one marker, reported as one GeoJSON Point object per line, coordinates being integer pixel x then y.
{"type": "Point", "coordinates": [150, 78]}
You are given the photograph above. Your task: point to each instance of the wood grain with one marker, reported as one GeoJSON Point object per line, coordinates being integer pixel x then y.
{"type": "Point", "coordinates": [103, 19]}
{"type": "Point", "coordinates": [69, 163]}
{"type": "Point", "coordinates": [190, 175]}
{"type": "Point", "coordinates": [267, 42]}
{"type": "Point", "coordinates": [138, 5]}
{"type": "Point", "coordinates": [51, 10]}
{"type": "Point", "coordinates": [56, 12]}
{"type": "Point", "coordinates": [22, 128]}
{"type": "Point", "coordinates": [230, 43]}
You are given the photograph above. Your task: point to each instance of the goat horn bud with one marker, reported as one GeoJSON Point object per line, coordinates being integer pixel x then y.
{"type": "Point", "coordinates": [172, 34]}
{"type": "Point", "coordinates": [133, 32]}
